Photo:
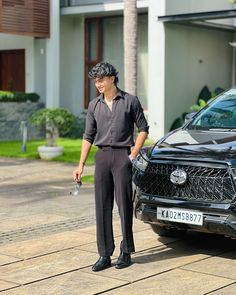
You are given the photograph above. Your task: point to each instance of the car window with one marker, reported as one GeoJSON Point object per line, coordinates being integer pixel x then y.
{"type": "Point", "coordinates": [220, 113]}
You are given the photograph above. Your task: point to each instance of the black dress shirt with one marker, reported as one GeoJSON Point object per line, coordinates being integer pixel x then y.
{"type": "Point", "coordinates": [116, 127]}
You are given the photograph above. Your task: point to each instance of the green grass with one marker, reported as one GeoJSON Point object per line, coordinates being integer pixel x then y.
{"type": "Point", "coordinates": [149, 142]}
{"type": "Point", "coordinates": [72, 148]}
{"type": "Point", "coordinates": [88, 178]}
{"type": "Point", "coordinates": [71, 151]}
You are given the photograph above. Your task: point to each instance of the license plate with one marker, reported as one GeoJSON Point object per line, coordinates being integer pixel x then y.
{"type": "Point", "coordinates": [180, 215]}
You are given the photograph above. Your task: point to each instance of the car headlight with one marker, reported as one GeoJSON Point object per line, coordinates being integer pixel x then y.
{"type": "Point", "coordinates": [140, 163]}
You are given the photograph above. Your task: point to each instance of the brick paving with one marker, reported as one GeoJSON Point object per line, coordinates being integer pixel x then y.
{"type": "Point", "coordinates": [48, 243]}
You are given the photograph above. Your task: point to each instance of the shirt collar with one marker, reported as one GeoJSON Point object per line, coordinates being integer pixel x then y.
{"type": "Point", "coordinates": [119, 94]}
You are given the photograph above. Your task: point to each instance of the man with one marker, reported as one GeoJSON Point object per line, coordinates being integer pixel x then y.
{"type": "Point", "coordinates": [110, 124]}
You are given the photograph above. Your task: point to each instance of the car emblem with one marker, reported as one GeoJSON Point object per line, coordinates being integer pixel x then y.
{"type": "Point", "coordinates": [178, 176]}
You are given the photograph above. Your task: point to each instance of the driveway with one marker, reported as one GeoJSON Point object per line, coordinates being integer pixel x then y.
{"type": "Point", "coordinates": [48, 243]}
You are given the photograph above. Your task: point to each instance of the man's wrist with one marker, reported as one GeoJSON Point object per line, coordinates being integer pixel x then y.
{"type": "Point", "coordinates": [81, 163]}
{"type": "Point", "coordinates": [132, 158]}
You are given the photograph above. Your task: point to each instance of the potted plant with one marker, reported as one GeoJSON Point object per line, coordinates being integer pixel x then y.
{"type": "Point", "coordinates": [55, 121]}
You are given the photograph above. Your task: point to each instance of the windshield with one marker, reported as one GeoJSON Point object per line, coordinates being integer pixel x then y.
{"type": "Point", "coordinates": [218, 114]}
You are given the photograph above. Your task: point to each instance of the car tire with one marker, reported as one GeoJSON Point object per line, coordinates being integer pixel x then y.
{"type": "Point", "coordinates": [167, 232]}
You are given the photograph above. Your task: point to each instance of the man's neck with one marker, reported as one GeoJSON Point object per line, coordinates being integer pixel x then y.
{"type": "Point", "coordinates": [109, 95]}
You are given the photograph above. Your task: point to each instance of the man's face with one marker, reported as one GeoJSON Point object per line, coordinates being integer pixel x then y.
{"type": "Point", "coordinates": [104, 84]}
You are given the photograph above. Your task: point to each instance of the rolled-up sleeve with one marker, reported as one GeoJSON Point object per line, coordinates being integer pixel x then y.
{"type": "Point", "coordinates": [91, 126]}
{"type": "Point", "coordinates": [139, 117]}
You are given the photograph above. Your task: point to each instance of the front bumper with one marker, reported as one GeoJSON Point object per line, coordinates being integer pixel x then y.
{"type": "Point", "coordinates": [217, 218]}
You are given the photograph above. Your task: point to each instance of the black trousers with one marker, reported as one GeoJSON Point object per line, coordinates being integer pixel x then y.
{"type": "Point", "coordinates": [113, 177]}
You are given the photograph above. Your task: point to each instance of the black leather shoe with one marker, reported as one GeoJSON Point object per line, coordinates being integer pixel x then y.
{"type": "Point", "coordinates": [102, 263]}
{"type": "Point", "coordinates": [124, 260]}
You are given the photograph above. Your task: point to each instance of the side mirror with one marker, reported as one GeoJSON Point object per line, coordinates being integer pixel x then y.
{"type": "Point", "coordinates": [189, 117]}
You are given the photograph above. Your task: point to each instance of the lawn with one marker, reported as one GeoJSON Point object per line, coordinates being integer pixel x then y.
{"type": "Point", "coordinates": [71, 152]}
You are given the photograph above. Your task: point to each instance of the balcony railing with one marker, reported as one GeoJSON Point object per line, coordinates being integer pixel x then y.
{"type": "Point", "coordinates": [25, 17]}
{"type": "Point", "coordinates": [67, 3]}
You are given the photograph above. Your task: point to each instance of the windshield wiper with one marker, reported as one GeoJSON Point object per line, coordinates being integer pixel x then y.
{"type": "Point", "coordinates": [223, 129]}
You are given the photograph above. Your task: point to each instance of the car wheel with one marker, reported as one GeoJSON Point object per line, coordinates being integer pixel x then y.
{"type": "Point", "coordinates": [167, 232]}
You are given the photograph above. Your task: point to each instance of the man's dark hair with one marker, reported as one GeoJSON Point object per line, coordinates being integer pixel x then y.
{"type": "Point", "coordinates": [103, 69]}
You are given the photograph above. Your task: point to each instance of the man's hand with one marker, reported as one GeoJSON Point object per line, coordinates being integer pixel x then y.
{"type": "Point", "coordinates": [77, 173]}
{"type": "Point", "coordinates": [138, 144]}
{"type": "Point", "coordinates": [132, 159]}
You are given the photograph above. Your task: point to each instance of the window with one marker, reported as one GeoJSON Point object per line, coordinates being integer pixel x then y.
{"type": "Point", "coordinates": [104, 42]}
{"type": "Point", "coordinates": [92, 54]}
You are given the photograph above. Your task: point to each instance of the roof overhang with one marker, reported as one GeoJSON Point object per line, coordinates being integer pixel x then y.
{"type": "Point", "coordinates": [97, 8]}
{"type": "Point", "coordinates": [202, 19]}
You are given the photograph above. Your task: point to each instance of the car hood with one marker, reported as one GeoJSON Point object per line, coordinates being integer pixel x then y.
{"type": "Point", "coordinates": [208, 145]}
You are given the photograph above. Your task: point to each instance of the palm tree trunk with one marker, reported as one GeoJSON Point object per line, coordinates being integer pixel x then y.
{"type": "Point", "coordinates": [130, 46]}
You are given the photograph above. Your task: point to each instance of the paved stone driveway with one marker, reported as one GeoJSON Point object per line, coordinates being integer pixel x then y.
{"type": "Point", "coordinates": [47, 243]}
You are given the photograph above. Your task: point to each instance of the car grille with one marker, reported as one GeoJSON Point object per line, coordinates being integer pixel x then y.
{"type": "Point", "coordinates": [203, 183]}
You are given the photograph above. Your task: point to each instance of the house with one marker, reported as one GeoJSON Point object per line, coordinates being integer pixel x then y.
{"type": "Point", "coordinates": [183, 45]}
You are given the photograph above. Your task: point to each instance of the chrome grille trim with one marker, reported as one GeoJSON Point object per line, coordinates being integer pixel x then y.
{"type": "Point", "coordinates": [207, 184]}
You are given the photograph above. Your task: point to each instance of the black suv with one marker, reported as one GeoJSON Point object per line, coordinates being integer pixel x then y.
{"type": "Point", "coordinates": [187, 180]}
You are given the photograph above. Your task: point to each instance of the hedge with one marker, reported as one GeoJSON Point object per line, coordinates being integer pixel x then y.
{"type": "Point", "coordinates": [11, 96]}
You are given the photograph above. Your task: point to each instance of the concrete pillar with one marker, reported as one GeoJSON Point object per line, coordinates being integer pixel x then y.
{"type": "Point", "coordinates": [53, 57]}
{"type": "Point", "coordinates": [156, 69]}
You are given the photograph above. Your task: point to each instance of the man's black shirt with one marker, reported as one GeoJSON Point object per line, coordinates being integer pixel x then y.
{"type": "Point", "coordinates": [115, 128]}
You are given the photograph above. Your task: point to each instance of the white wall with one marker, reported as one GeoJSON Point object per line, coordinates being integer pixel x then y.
{"type": "Point", "coordinates": [8, 42]}
{"type": "Point", "coordinates": [53, 58]}
{"type": "Point", "coordinates": [142, 60]}
{"type": "Point", "coordinates": [156, 70]}
{"type": "Point", "coordinates": [194, 58]}
{"type": "Point", "coordinates": [72, 63]}
{"type": "Point", "coordinates": [40, 68]}
{"type": "Point", "coordinates": [189, 6]}
{"type": "Point", "coordinates": [182, 60]}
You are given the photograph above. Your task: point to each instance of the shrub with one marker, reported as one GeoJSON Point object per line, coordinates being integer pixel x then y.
{"type": "Point", "coordinates": [55, 121]}
{"type": "Point", "coordinates": [11, 96]}
{"type": "Point", "coordinates": [198, 106]}
{"type": "Point", "coordinates": [204, 96]}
